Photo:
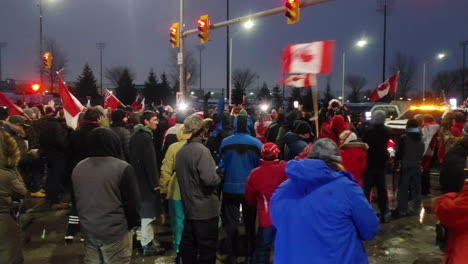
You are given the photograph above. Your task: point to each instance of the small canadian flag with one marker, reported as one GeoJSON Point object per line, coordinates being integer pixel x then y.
{"type": "Point", "coordinates": [315, 57]}
{"type": "Point", "coordinates": [302, 80]}
{"type": "Point", "coordinates": [389, 86]}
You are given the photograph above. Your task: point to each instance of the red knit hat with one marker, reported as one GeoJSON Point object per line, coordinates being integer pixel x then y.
{"type": "Point", "coordinates": [269, 150]}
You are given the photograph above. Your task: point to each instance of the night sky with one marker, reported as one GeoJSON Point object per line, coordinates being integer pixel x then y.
{"type": "Point", "coordinates": [136, 33]}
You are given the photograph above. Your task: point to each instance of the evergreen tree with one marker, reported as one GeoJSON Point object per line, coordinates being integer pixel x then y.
{"type": "Point", "coordinates": [307, 102]}
{"type": "Point", "coordinates": [151, 92]}
{"type": "Point", "coordinates": [264, 93]}
{"type": "Point", "coordinates": [165, 92]}
{"type": "Point", "coordinates": [237, 94]}
{"type": "Point", "coordinates": [126, 91]}
{"type": "Point", "coordinates": [327, 95]}
{"type": "Point", "coordinates": [295, 96]}
{"type": "Point", "coordinates": [86, 85]}
{"type": "Point", "coordinates": [277, 99]}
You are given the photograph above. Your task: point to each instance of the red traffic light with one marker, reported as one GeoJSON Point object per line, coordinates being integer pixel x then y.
{"type": "Point", "coordinates": [35, 87]}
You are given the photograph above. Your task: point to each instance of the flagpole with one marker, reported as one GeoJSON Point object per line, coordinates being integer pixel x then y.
{"type": "Point", "coordinates": [315, 103]}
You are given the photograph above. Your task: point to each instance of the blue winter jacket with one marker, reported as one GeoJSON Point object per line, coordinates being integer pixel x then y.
{"type": "Point", "coordinates": [240, 154]}
{"type": "Point", "coordinates": [321, 216]}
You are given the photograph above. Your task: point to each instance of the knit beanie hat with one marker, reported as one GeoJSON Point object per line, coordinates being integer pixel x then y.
{"type": "Point", "coordinates": [269, 150]}
{"type": "Point", "coordinates": [325, 149]}
{"type": "Point", "coordinates": [118, 115]}
{"type": "Point", "coordinates": [378, 117]}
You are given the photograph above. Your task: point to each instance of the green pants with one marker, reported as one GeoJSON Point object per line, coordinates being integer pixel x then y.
{"type": "Point", "coordinates": [176, 212]}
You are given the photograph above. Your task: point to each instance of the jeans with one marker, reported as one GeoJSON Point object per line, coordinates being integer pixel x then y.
{"type": "Point", "coordinates": [375, 176]}
{"type": "Point", "coordinates": [231, 218]}
{"type": "Point", "coordinates": [119, 252]}
{"type": "Point", "coordinates": [265, 239]}
{"type": "Point", "coordinates": [199, 241]}
{"type": "Point", "coordinates": [56, 173]}
{"type": "Point", "coordinates": [147, 231]}
{"type": "Point", "coordinates": [410, 178]}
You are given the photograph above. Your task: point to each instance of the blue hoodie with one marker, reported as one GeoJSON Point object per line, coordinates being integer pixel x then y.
{"type": "Point", "coordinates": [240, 154]}
{"type": "Point", "coordinates": [321, 216]}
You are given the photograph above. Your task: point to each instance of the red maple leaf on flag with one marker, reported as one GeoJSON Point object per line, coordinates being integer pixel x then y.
{"type": "Point", "coordinates": [306, 57]}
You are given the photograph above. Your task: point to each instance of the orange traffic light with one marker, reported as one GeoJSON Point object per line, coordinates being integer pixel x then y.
{"type": "Point", "coordinates": [204, 28]}
{"type": "Point", "coordinates": [35, 87]}
{"type": "Point", "coordinates": [47, 59]}
{"type": "Point", "coordinates": [293, 13]}
{"type": "Point", "coordinates": [174, 33]}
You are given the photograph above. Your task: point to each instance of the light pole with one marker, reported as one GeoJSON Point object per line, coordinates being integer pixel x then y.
{"type": "Point", "coordinates": [100, 46]}
{"type": "Point", "coordinates": [200, 49]}
{"type": "Point", "coordinates": [464, 82]}
{"type": "Point", "coordinates": [360, 44]}
{"type": "Point", "coordinates": [41, 41]}
{"type": "Point", "coordinates": [440, 56]}
{"type": "Point", "coordinates": [247, 25]}
{"type": "Point", "coordinates": [2, 45]}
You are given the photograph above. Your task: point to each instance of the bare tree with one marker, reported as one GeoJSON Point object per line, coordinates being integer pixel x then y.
{"type": "Point", "coordinates": [356, 83]}
{"type": "Point", "coordinates": [115, 73]}
{"type": "Point", "coordinates": [407, 67]}
{"type": "Point", "coordinates": [191, 67]}
{"type": "Point", "coordinates": [59, 62]}
{"type": "Point", "coordinates": [243, 78]}
{"type": "Point", "coordinates": [448, 81]}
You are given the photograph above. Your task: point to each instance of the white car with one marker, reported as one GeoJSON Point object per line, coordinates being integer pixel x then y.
{"type": "Point", "coordinates": [400, 122]}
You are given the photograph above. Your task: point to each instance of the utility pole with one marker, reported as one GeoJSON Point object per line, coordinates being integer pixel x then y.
{"type": "Point", "coordinates": [228, 55]}
{"type": "Point", "coordinates": [180, 55]}
{"type": "Point", "coordinates": [464, 81]}
{"type": "Point", "coordinates": [384, 7]}
{"type": "Point", "coordinates": [41, 43]}
{"type": "Point", "coordinates": [200, 48]}
{"type": "Point", "coordinates": [2, 45]}
{"type": "Point", "coordinates": [101, 46]}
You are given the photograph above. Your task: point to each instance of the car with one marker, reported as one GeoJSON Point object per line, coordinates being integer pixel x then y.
{"type": "Point", "coordinates": [399, 124]}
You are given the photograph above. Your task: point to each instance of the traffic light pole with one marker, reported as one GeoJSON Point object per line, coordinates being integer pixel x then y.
{"type": "Point", "coordinates": [238, 20]}
{"type": "Point", "coordinates": [180, 55]}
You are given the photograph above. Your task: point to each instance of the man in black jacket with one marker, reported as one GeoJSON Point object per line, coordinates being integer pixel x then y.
{"type": "Point", "coordinates": [377, 136]}
{"type": "Point", "coordinates": [143, 158]}
{"type": "Point", "coordinates": [107, 197]}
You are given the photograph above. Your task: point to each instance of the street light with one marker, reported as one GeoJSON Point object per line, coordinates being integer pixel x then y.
{"type": "Point", "coordinates": [100, 46]}
{"type": "Point", "coordinates": [359, 44]}
{"type": "Point", "coordinates": [249, 27]}
{"type": "Point", "coordinates": [440, 56]}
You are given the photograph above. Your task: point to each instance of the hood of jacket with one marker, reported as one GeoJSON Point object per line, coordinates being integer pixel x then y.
{"type": "Point", "coordinates": [103, 142]}
{"type": "Point", "coordinates": [9, 151]}
{"type": "Point", "coordinates": [310, 174]}
{"type": "Point", "coordinates": [242, 124]}
{"type": "Point", "coordinates": [291, 137]}
{"type": "Point", "coordinates": [141, 127]}
{"type": "Point", "coordinates": [181, 136]}
{"type": "Point", "coordinates": [414, 134]}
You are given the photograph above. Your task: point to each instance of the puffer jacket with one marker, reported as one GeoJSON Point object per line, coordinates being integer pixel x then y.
{"type": "Point", "coordinates": [321, 216]}
{"type": "Point", "coordinates": [168, 181]}
{"type": "Point", "coordinates": [354, 156]}
{"type": "Point", "coordinates": [452, 211]}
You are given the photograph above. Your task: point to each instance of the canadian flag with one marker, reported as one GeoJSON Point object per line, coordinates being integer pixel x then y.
{"type": "Point", "coordinates": [12, 108]}
{"type": "Point", "coordinates": [110, 101]}
{"type": "Point", "coordinates": [71, 106]}
{"type": "Point", "coordinates": [302, 80]}
{"type": "Point", "coordinates": [389, 86]}
{"type": "Point", "coordinates": [315, 57]}
{"type": "Point", "coordinates": [137, 105]}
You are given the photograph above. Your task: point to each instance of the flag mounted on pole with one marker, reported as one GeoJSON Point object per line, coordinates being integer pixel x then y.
{"type": "Point", "coordinates": [389, 86]}
{"type": "Point", "coordinates": [137, 105]}
{"type": "Point", "coordinates": [315, 58]}
{"type": "Point", "coordinates": [302, 80]}
{"type": "Point", "coordinates": [71, 106]}
{"type": "Point", "coordinates": [110, 101]}
{"type": "Point", "coordinates": [12, 108]}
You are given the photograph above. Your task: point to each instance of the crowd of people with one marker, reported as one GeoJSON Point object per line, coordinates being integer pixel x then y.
{"type": "Point", "coordinates": [127, 170]}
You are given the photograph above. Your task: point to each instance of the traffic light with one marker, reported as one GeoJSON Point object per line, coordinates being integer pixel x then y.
{"type": "Point", "coordinates": [292, 13]}
{"type": "Point", "coordinates": [174, 32]}
{"type": "Point", "coordinates": [47, 59]}
{"type": "Point", "coordinates": [204, 28]}
{"type": "Point", "coordinates": [35, 87]}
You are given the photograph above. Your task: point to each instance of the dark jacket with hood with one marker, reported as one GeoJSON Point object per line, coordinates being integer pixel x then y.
{"type": "Point", "coordinates": [376, 137]}
{"type": "Point", "coordinates": [144, 161]}
{"type": "Point", "coordinates": [321, 216]}
{"type": "Point", "coordinates": [54, 138]}
{"type": "Point", "coordinates": [79, 150]}
{"type": "Point", "coordinates": [240, 154]}
{"type": "Point", "coordinates": [410, 148]}
{"type": "Point", "coordinates": [105, 189]}
{"type": "Point", "coordinates": [293, 145]}
{"type": "Point", "coordinates": [124, 136]}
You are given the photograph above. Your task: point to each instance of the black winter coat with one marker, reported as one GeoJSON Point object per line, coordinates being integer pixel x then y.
{"type": "Point", "coordinates": [377, 137]}
{"type": "Point", "coordinates": [143, 159]}
{"type": "Point", "coordinates": [53, 138]}
{"type": "Point", "coordinates": [124, 136]}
